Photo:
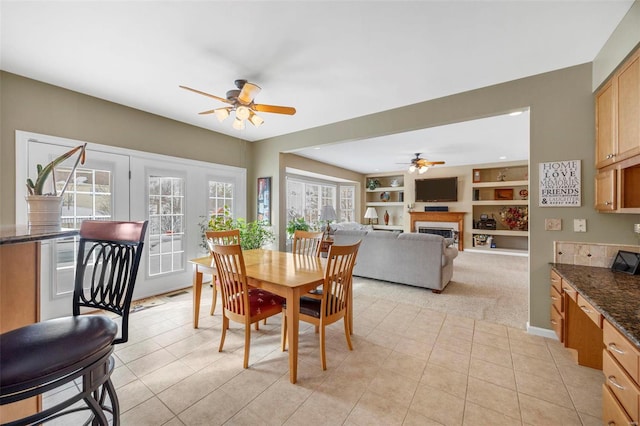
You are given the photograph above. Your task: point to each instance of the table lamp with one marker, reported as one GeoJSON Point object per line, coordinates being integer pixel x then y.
{"type": "Point", "coordinates": [328, 213]}
{"type": "Point", "coordinates": [370, 214]}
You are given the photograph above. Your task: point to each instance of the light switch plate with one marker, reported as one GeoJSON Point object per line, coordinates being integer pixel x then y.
{"type": "Point", "coordinates": [579, 225]}
{"type": "Point", "coordinates": [553, 224]}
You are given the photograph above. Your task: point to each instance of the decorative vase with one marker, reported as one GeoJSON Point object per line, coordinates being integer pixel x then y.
{"type": "Point", "coordinates": [386, 217]}
{"type": "Point", "coordinates": [44, 211]}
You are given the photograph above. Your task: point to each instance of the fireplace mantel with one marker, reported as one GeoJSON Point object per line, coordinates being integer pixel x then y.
{"type": "Point", "coordinates": [441, 217]}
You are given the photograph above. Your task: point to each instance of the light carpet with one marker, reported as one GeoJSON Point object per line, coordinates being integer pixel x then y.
{"type": "Point", "coordinates": [486, 287]}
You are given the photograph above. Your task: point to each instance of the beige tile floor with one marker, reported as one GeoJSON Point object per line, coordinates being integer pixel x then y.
{"type": "Point", "coordinates": [409, 366]}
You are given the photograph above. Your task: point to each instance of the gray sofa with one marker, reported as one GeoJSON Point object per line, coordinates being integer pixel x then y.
{"type": "Point", "coordinates": [421, 260]}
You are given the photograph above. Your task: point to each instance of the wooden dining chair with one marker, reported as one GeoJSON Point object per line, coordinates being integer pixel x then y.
{"type": "Point", "coordinates": [307, 243]}
{"type": "Point", "coordinates": [220, 238]}
{"type": "Point", "coordinates": [334, 301]}
{"type": "Point", "coordinates": [240, 303]}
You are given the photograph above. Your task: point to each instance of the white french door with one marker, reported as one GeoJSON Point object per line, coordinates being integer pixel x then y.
{"type": "Point", "coordinates": [99, 190]}
{"type": "Point", "coordinates": [174, 194]}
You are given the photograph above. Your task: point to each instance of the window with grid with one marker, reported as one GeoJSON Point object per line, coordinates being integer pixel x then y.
{"type": "Point", "coordinates": [166, 224]}
{"type": "Point", "coordinates": [88, 196]}
{"type": "Point", "coordinates": [346, 212]}
{"type": "Point", "coordinates": [220, 198]}
{"type": "Point", "coordinates": [305, 198]}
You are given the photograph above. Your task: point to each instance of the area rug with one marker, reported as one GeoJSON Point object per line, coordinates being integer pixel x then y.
{"type": "Point", "coordinates": [487, 287]}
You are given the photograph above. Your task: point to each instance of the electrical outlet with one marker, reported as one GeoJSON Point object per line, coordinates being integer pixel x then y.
{"type": "Point", "coordinates": [553, 224]}
{"type": "Point", "coordinates": [579, 225]}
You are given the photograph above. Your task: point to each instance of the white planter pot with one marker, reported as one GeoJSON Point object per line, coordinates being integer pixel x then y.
{"type": "Point", "coordinates": [44, 211]}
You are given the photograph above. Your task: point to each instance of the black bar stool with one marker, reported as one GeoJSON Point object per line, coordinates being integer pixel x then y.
{"type": "Point", "coordinates": [46, 355]}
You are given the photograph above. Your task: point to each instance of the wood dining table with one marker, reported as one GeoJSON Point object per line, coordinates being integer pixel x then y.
{"type": "Point", "coordinates": [285, 274]}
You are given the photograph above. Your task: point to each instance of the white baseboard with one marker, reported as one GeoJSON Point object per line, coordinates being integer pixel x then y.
{"type": "Point", "coordinates": [543, 332]}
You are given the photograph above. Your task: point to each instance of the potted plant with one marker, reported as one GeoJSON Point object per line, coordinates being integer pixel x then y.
{"type": "Point", "coordinates": [43, 208]}
{"type": "Point", "coordinates": [253, 234]}
{"type": "Point", "coordinates": [296, 224]}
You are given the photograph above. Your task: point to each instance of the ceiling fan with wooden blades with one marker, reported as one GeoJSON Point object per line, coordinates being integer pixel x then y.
{"type": "Point", "coordinates": [241, 100]}
{"type": "Point", "coordinates": [421, 164]}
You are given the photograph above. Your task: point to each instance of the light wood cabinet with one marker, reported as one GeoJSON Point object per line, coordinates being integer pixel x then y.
{"type": "Point", "coordinates": [620, 366]}
{"type": "Point", "coordinates": [628, 108]}
{"type": "Point", "coordinates": [617, 187]}
{"type": "Point", "coordinates": [617, 108]}
{"type": "Point", "coordinates": [606, 191]}
{"type": "Point", "coordinates": [557, 305]}
{"type": "Point", "coordinates": [612, 412]}
{"type": "Point", "coordinates": [605, 127]}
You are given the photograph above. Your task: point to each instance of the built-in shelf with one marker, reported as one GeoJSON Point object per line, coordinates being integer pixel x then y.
{"type": "Point", "coordinates": [386, 189]}
{"type": "Point", "coordinates": [495, 189]}
{"type": "Point", "coordinates": [384, 203]}
{"type": "Point", "coordinates": [501, 232]}
{"type": "Point", "coordinates": [502, 203]}
{"type": "Point", "coordinates": [501, 184]}
{"type": "Point", "coordinates": [503, 251]}
{"type": "Point", "coordinates": [391, 188]}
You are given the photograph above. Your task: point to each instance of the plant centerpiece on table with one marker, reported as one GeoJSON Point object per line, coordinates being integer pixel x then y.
{"type": "Point", "coordinates": [253, 235]}
{"type": "Point", "coordinates": [515, 217]}
{"type": "Point", "coordinates": [44, 207]}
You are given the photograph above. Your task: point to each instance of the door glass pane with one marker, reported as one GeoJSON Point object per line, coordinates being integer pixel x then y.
{"type": "Point", "coordinates": [220, 198]}
{"type": "Point", "coordinates": [166, 224]}
{"type": "Point", "coordinates": [88, 196]}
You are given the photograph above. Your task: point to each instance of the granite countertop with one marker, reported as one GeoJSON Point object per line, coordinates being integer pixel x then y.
{"type": "Point", "coordinates": [615, 294]}
{"type": "Point", "coordinates": [14, 234]}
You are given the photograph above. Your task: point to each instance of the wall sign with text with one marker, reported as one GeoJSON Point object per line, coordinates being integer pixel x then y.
{"type": "Point", "coordinates": [560, 184]}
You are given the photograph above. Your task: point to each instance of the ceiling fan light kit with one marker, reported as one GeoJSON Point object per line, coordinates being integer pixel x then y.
{"type": "Point", "coordinates": [421, 164]}
{"type": "Point", "coordinates": [241, 101]}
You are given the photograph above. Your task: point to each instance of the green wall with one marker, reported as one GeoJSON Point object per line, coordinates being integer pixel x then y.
{"type": "Point", "coordinates": [37, 107]}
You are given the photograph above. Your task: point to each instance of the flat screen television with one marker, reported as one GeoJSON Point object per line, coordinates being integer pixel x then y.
{"type": "Point", "coordinates": [437, 189]}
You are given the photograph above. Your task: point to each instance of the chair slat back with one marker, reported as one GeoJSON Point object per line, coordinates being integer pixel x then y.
{"type": "Point", "coordinates": [307, 243]}
{"type": "Point", "coordinates": [338, 278]}
{"type": "Point", "coordinates": [109, 254]}
{"type": "Point", "coordinates": [232, 275]}
{"type": "Point", "coordinates": [222, 238]}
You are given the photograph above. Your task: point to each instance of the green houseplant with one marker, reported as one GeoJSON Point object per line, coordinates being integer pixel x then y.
{"type": "Point", "coordinates": [297, 224]}
{"type": "Point", "coordinates": [253, 235]}
{"type": "Point", "coordinates": [43, 208]}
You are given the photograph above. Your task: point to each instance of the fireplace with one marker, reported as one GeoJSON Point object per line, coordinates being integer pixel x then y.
{"type": "Point", "coordinates": [445, 232]}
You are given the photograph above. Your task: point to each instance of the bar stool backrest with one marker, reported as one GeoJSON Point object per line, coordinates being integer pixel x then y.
{"type": "Point", "coordinates": [109, 255]}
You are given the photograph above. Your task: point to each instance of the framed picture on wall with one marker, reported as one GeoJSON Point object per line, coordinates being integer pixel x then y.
{"type": "Point", "coordinates": [264, 199]}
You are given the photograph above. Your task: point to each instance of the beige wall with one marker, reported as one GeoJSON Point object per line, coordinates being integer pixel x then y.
{"type": "Point", "coordinates": [623, 40]}
{"type": "Point", "coordinates": [36, 107]}
{"type": "Point", "coordinates": [561, 128]}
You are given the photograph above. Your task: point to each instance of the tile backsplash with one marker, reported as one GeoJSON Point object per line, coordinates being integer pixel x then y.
{"type": "Point", "coordinates": [588, 254]}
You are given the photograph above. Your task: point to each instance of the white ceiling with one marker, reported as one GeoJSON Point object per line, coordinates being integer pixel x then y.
{"type": "Point", "coordinates": [332, 60]}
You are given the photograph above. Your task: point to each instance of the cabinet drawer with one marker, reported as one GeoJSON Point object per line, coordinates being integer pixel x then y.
{"type": "Point", "coordinates": [621, 385]}
{"type": "Point", "coordinates": [569, 291]}
{"type": "Point", "coordinates": [591, 312]}
{"type": "Point", "coordinates": [556, 299]}
{"type": "Point", "coordinates": [621, 349]}
{"type": "Point", "coordinates": [557, 322]}
{"type": "Point", "coordinates": [612, 411]}
{"type": "Point", "coordinates": [556, 281]}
